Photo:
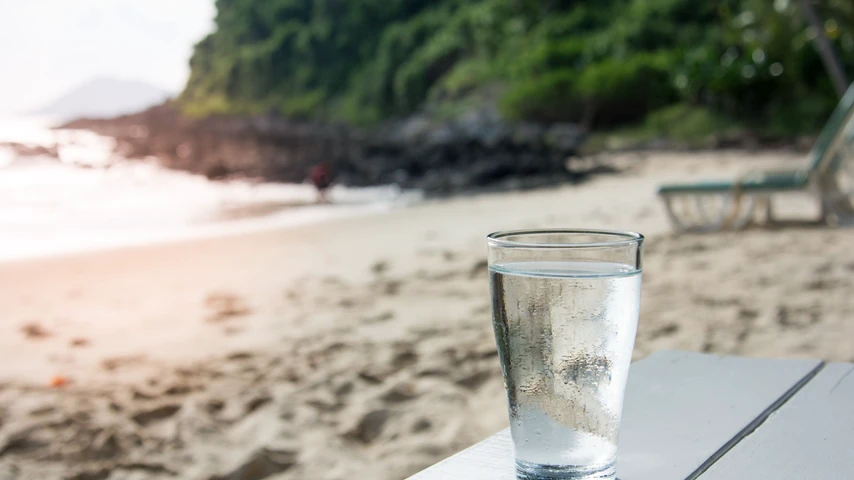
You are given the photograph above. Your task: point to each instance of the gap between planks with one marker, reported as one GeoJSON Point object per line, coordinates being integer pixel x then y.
{"type": "Point", "coordinates": [756, 423]}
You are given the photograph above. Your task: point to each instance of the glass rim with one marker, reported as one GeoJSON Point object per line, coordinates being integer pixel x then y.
{"type": "Point", "coordinates": [620, 238]}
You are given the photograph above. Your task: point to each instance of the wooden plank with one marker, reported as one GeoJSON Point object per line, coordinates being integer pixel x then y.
{"type": "Point", "coordinates": [681, 410]}
{"type": "Point", "coordinates": [810, 436]}
{"type": "Point", "coordinates": [687, 409]}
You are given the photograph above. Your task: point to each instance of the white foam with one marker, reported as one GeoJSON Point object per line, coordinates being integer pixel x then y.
{"type": "Point", "coordinates": [77, 203]}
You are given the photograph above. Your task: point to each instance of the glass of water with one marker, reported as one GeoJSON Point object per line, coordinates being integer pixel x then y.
{"type": "Point", "coordinates": [565, 311]}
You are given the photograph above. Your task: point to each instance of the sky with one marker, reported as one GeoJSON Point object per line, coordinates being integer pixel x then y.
{"type": "Point", "coordinates": [48, 47]}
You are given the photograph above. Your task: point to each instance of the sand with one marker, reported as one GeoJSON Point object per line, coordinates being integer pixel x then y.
{"type": "Point", "coordinates": [362, 348]}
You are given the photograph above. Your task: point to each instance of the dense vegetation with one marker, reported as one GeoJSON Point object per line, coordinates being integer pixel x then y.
{"type": "Point", "coordinates": [601, 62]}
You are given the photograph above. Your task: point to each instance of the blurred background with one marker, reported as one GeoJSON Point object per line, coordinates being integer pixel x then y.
{"type": "Point", "coordinates": [244, 239]}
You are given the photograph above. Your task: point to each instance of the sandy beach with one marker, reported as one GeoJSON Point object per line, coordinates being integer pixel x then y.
{"type": "Point", "coordinates": [362, 348]}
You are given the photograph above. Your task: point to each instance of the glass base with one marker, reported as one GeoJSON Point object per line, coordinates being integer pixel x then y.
{"type": "Point", "coordinates": [534, 471]}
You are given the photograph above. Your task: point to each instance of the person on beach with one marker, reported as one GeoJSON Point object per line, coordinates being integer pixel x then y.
{"type": "Point", "coordinates": [321, 178]}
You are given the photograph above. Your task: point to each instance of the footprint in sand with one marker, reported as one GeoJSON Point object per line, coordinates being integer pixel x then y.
{"type": "Point", "coordinates": [114, 363]}
{"type": "Point", "coordinates": [34, 331]}
{"type": "Point", "coordinates": [390, 287]}
{"type": "Point", "coordinates": [400, 393]}
{"type": "Point", "coordinates": [421, 425]}
{"type": "Point", "coordinates": [225, 306]}
{"type": "Point", "coordinates": [370, 426]}
{"type": "Point", "coordinates": [380, 318]}
{"type": "Point", "coordinates": [479, 268]}
{"type": "Point", "coordinates": [379, 267]}
{"type": "Point", "coordinates": [214, 406]}
{"type": "Point", "coordinates": [257, 402]}
{"type": "Point", "coordinates": [664, 331]}
{"type": "Point", "coordinates": [147, 417]}
{"type": "Point", "coordinates": [475, 380]}
{"type": "Point", "coordinates": [260, 464]}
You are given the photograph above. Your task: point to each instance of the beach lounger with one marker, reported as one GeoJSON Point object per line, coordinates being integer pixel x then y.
{"type": "Point", "coordinates": [732, 205]}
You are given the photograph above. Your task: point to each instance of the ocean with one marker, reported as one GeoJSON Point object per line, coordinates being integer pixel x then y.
{"type": "Point", "coordinates": [87, 198]}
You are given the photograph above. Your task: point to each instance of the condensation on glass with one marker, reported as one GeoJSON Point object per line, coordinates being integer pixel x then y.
{"type": "Point", "coordinates": [565, 311]}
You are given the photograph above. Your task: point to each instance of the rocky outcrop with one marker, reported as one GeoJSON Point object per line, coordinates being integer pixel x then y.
{"type": "Point", "coordinates": [29, 150]}
{"type": "Point", "coordinates": [477, 149]}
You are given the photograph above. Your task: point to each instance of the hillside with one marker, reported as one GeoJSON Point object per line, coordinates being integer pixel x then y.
{"type": "Point", "coordinates": [104, 97]}
{"type": "Point", "coordinates": [603, 63]}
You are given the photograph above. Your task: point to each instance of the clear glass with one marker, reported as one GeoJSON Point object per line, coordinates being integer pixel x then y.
{"type": "Point", "coordinates": [565, 311]}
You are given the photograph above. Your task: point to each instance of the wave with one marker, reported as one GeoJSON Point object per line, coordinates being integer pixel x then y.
{"type": "Point", "coordinates": [88, 198]}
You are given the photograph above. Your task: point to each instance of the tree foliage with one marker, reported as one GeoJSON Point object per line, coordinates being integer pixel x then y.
{"type": "Point", "coordinates": [602, 62]}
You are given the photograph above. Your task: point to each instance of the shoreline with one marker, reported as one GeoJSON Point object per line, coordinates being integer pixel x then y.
{"type": "Point", "coordinates": [284, 219]}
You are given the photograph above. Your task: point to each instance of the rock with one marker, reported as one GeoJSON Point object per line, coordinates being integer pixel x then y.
{"type": "Point", "coordinates": [425, 151]}
{"type": "Point", "coordinates": [370, 426]}
{"type": "Point", "coordinates": [25, 150]}
{"type": "Point", "coordinates": [565, 138]}
{"type": "Point", "coordinates": [147, 417]}
{"type": "Point", "coordinates": [261, 464]}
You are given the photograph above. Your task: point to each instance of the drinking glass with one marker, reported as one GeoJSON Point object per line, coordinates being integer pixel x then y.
{"type": "Point", "coordinates": [565, 312]}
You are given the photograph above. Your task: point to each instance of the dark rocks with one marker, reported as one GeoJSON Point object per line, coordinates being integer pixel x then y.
{"type": "Point", "coordinates": [476, 150]}
{"type": "Point", "coordinates": [27, 150]}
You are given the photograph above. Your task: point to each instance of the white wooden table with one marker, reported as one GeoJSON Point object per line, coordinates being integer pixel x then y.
{"type": "Point", "coordinates": [710, 417]}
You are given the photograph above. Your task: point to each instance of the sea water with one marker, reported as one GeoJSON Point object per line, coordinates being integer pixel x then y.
{"type": "Point", "coordinates": [565, 333]}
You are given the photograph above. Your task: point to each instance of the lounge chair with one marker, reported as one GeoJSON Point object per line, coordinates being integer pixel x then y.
{"type": "Point", "coordinates": [732, 205]}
